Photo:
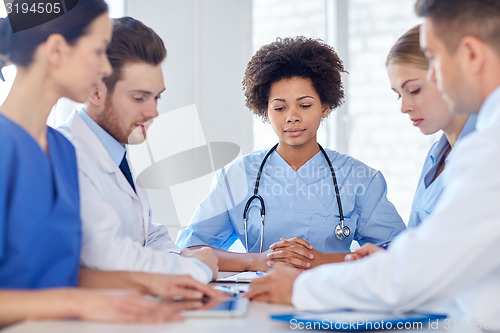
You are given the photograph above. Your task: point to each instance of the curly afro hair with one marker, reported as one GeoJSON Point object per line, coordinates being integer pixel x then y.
{"type": "Point", "coordinates": [293, 57]}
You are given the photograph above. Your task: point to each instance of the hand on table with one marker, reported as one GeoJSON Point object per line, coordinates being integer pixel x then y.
{"type": "Point", "coordinates": [275, 287]}
{"type": "Point", "coordinates": [206, 256]}
{"type": "Point", "coordinates": [183, 286]}
{"type": "Point", "coordinates": [363, 251]}
{"type": "Point", "coordinates": [126, 306]}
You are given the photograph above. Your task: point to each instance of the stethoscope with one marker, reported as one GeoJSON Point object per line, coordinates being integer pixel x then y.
{"type": "Point", "coordinates": [341, 231]}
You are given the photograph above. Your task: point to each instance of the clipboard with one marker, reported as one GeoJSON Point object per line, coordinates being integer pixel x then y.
{"type": "Point", "coordinates": [347, 320]}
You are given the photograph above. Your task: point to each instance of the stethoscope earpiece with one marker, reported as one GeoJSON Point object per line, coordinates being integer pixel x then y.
{"type": "Point", "coordinates": [341, 231]}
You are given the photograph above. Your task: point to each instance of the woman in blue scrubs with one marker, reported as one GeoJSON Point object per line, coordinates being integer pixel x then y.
{"type": "Point", "coordinates": [293, 84]}
{"type": "Point", "coordinates": [427, 110]}
{"type": "Point", "coordinates": [40, 227]}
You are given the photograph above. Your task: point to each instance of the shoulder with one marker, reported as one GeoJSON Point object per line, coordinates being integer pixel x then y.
{"type": "Point", "coordinates": [88, 148]}
{"type": "Point", "coordinates": [9, 141]}
{"type": "Point", "coordinates": [348, 163]}
{"type": "Point", "coordinates": [10, 133]}
{"type": "Point", "coordinates": [61, 141]}
{"type": "Point", "coordinates": [14, 140]}
{"type": "Point", "coordinates": [255, 157]}
{"type": "Point", "coordinates": [479, 146]}
{"type": "Point", "coordinates": [243, 168]}
{"type": "Point", "coordinates": [73, 129]}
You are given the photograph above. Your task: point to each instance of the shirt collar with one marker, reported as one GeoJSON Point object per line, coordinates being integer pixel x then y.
{"type": "Point", "coordinates": [489, 110]}
{"type": "Point", "coordinates": [115, 149]}
{"type": "Point", "coordinates": [439, 149]}
{"type": "Point", "coordinates": [470, 126]}
{"type": "Point", "coordinates": [443, 144]}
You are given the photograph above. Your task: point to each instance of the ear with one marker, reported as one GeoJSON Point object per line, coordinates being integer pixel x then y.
{"type": "Point", "coordinates": [326, 111]}
{"type": "Point", "coordinates": [56, 48]}
{"type": "Point", "coordinates": [473, 51]}
{"type": "Point", "coordinates": [98, 97]}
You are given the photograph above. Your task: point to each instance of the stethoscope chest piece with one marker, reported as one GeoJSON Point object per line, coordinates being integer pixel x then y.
{"type": "Point", "coordinates": [342, 231]}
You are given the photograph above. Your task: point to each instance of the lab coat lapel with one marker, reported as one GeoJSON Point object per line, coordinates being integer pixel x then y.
{"type": "Point", "coordinates": [141, 196]}
{"type": "Point", "coordinates": [80, 130]}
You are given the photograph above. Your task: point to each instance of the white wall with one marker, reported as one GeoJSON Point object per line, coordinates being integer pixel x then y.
{"type": "Point", "coordinates": [208, 46]}
{"type": "Point", "coordinates": [285, 18]}
{"type": "Point", "coordinates": [379, 134]}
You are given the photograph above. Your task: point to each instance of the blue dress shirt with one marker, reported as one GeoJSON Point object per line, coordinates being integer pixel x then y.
{"type": "Point", "coordinates": [115, 149]}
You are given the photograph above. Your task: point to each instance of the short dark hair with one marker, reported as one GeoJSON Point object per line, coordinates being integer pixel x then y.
{"type": "Point", "coordinates": [454, 19]}
{"type": "Point", "coordinates": [132, 41]}
{"type": "Point", "coordinates": [19, 47]}
{"type": "Point", "coordinates": [293, 57]}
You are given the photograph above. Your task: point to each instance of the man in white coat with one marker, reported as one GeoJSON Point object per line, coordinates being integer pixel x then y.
{"type": "Point", "coordinates": [118, 233]}
{"type": "Point", "coordinates": [452, 258]}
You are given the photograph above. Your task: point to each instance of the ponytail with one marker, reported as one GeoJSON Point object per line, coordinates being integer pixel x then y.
{"type": "Point", "coordinates": [5, 43]}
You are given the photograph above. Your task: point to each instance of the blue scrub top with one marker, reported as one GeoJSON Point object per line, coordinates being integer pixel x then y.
{"type": "Point", "coordinates": [429, 191]}
{"type": "Point", "coordinates": [298, 204]}
{"type": "Point", "coordinates": [40, 228]}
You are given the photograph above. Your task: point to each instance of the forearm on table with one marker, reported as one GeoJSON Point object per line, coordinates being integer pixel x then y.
{"type": "Point", "coordinates": [328, 258]}
{"type": "Point", "coordinates": [89, 278]}
{"type": "Point", "coordinates": [18, 305]}
{"type": "Point", "coordinates": [234, 261]}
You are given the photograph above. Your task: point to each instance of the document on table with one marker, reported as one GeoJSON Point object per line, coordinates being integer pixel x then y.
{"type": "Point", "coordinates": [242, 277]}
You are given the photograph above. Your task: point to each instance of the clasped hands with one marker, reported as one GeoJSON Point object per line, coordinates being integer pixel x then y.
{"type": "Point", "coordinates": [294, 252]}
{"type": "Point", "coordinates": [298, 253]}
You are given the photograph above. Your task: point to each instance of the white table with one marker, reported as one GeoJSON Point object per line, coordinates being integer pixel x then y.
{"type": "Point", "coordinates": [256, 321]}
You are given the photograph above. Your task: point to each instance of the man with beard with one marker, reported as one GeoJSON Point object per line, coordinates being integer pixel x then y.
{"type": "Point", "coordinates": [118, 233]}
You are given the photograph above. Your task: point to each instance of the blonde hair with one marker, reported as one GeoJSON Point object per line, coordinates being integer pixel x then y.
{"type": "Point", "coordinates": [406, 50]}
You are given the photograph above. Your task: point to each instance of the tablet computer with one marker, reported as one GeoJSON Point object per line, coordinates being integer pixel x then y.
{"type": "Point", "coordinates": [358, 321]}
{"type": "Point", "coordinates": [235, 307]}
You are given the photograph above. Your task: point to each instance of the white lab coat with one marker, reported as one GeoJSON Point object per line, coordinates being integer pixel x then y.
{"type": "Point", "coordinates": [453, 256]}
{"type": "Point", "coordinates": [117, 231]}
